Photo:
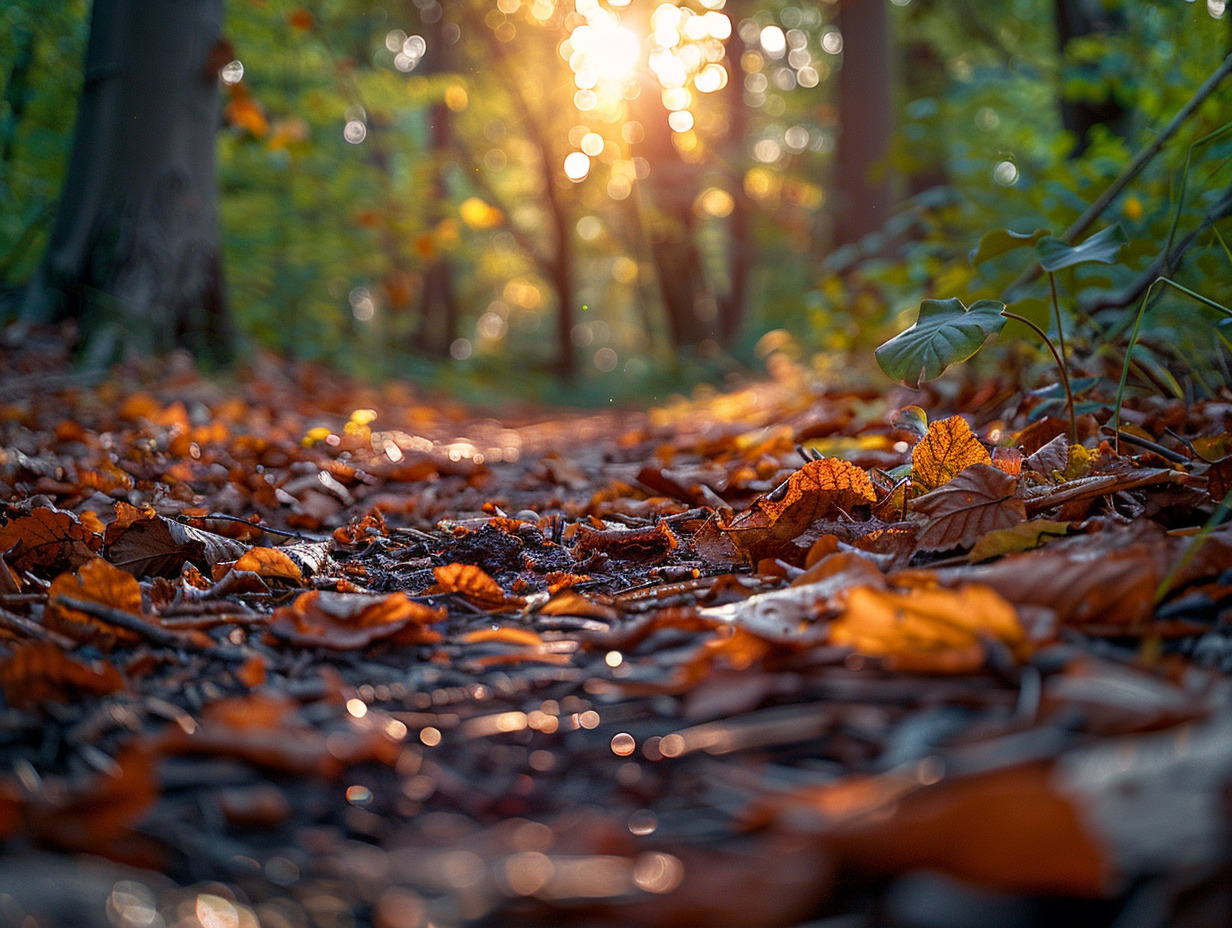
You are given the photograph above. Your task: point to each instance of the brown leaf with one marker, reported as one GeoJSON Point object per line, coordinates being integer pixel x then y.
{"type": "Point", "coordinates": [816, 490]}
{"type": "Point", "coordinates": [644, 545]}
{"type": "Point", "coordinates": [95, 582]}
{"type": "Point", "coordinates": [46, 538]}
{"type": "Point", "coordinates": [977, 501]}
{"type": "Point", "coordinates": [348, 621]}
{"type": "Point", "coordinates": [949, 448]}
{"type": "Point", "coordinates": [1050, 459]}
{"type": "Point", "coordinates": [147, 545]}
{"type": "Point", "coordinates": [39, 671]}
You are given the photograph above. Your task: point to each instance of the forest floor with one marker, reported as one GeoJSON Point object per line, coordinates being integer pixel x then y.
{"type": "Point", "coordinates": [285, 650]}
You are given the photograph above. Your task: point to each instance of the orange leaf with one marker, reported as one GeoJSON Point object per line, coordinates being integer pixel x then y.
{"type": "Point", "coordinates": [979, 500]}
{"type": "Point", "coordinates": [46, 538]}
{"type": "Point", "coordinates": [949, 448]}
{"type": "Point", "coordinates": [818, 489]}
{"type": "Point", "coordinates": [270, 563]}
{"type": "Point", "coordinates": [905, 624]}
{"type": "Point", "coordinates": [38, 671]}
{"type": "Point", "coordinates": [345, 621]}
{"type": "Point", "coordinates": [95, 582]}
{"type": "Point", "coordinates": [475, 585]}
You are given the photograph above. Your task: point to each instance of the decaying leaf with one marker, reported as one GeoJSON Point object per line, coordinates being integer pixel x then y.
{"type": "Point", "coordinates": [476, 586]}
{"type": "Point", "coordinates": [270, 563]}
{"type": "Point", "coordinates": [1020, 537]}
{"type": "Point", "coordinates": [981, 499]}
{"type": "Point", "coordinates": [148, 545]}
{"type": "Point", "coordinates": [948, 449]}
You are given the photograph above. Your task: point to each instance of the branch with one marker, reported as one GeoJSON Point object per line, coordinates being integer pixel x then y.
{"type": "Point", "coordinates": [1141, 160]}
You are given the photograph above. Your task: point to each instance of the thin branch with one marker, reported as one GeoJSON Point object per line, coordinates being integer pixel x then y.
{"type": "Point", "coordinates": [1141, 160]}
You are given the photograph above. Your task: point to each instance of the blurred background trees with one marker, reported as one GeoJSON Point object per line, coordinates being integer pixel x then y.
{"type": "Point", "coordinates": [638, 190]}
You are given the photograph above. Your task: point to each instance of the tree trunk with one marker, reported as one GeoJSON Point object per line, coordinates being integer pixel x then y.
{"type": "Point", "coordinates": [134, 252]}
{"type": "Point", "coordinates": [1077, 18]}
{"type": "Point", "coordinates": [863, 181]}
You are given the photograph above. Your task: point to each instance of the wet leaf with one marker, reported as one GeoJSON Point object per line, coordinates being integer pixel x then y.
{"type": "Point", "coordinates": [981, 499]}
{"type": "Point", "coordinates": [945, 333]}
{"type": "Point", "coordinates": [949, 448]}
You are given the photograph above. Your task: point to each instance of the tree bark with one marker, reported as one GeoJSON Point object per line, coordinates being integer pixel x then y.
{"type": "Point", "coordinates": [1075, 19]}
{"type": "Point", "coordinates": [134, 253]}
{"type": "Point", "coordinates": [863, 182]}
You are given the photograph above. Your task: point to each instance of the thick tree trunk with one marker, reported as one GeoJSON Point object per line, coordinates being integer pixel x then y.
{"type": "Point", "coordinates": [134, 253]}
{"type": "Point", "coordinates": [863, 181]}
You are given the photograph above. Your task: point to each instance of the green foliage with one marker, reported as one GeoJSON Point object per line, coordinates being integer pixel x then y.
{"type": "Point", "coordinates": [945, 333]}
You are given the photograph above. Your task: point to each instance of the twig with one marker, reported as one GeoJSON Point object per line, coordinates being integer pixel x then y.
{"type": "Point", "coordinates": [154, 634]}
{"type": "Point", "coordinates": [20, 625]}
{"type": "Point", "coordinates": [1141, 160]}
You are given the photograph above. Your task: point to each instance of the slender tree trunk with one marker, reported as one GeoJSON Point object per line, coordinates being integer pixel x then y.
{"type": "Point", "coordinates": [863, 181]}
{"type": "Point", "coordinates": [134, 253]}
{"type": "Point", "coordinates": [740, 251]}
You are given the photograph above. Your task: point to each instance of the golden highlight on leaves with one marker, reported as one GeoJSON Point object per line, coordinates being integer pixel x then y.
{"type": "Point", "coordinates": [96, 582]}
{"type": "Point", "coordinates": [915, 626]}
{"type": "Point", "coordinates": [979, 500]}
{"type": "Point", "coordinates": [270, 563]}
{"type": "Point", "coordinates": [475, 585]}
{"type": "Point", "coordinates": [949, 448]}
{"type": "Point", "coordinates": [1022, 537]}
{"type": "Point", "coordinates": [816, 490]}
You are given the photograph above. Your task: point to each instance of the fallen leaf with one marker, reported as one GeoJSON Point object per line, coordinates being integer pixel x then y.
{"type": "Point", "coordinates": [949, 448]}
{"type": "Point", "coordinates": [924, 622]}
{"type": "Point", "coordinates": [979, 500]}
{"type": "Point", "coordinates": [270, 563]}
{"type": "Point", "coordinates": [1021, 537]}
{"type": "Point", "coordinates": [476, 586]}
{"type": "Point", "coordinates": [98, 582]}
{"type": "Point", "coordinates": [819, 488]}
{"type": "Point", "coordinates": [348, 621]}
{"type": "Point", "coordinates": [38, 671]}
{"type": "Point", "coordinates": [46, 538]}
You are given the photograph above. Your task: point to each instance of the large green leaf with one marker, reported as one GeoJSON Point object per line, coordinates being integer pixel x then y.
{"type": "Point", "coordinates": [1054, 254]}
{"type": "Point", "coordinates": [998, 241]}
{"type": "Point", "coordinates": [945, 333]}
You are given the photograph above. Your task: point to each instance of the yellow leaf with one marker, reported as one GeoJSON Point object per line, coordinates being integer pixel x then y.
{"type": "Point", "coordinates": [1080, 462]}
{"type": "Point", "coordinates": [1021, 537]}
{"type": "Point", "coordinates": [949, 448]}
{"type": "Point", "coordinates": [923, 620]}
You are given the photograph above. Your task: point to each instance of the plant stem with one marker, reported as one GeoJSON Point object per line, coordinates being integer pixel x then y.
{"type": "Point", "coordinates": [1056, 309]}
{"type": "Point", "coordinates": [1069, 395]}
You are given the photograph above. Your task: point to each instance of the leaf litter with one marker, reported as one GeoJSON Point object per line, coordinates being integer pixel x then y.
{"type": "Point", "coordinates": [299, 652]}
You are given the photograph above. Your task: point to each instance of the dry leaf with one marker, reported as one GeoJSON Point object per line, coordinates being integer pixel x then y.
{"type": "Point", "coordinates": [923, 622]}
{"type": "Point", "coordinates": [38, 671]}
{"type": "Point", "coordinates": [476, 586]}
{"type": "Point", "coordinates": [95, 582]}
{"type": "Point", "coordinates": [46, 538]}
{"type": "Point", "coordinates": [1021, 537]}
{"type": "Point", "coordinates": [811, 493]}
{"type": "Point", "coordinates": [270, 563]}
{"type": "Point", "coordinates": [949, 448]}
{"type": "Point", "coordinates": [979, 500]}
{"type": "Point", "coordinates": [347, 621]}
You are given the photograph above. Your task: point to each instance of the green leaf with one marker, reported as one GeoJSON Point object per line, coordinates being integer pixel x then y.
{"type": "Point", "coordinates": [1054, 254]}
{"type": "Point", "coordinates": [945, 333]}
{"type": "Point", "coordinates": [998, 241]}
